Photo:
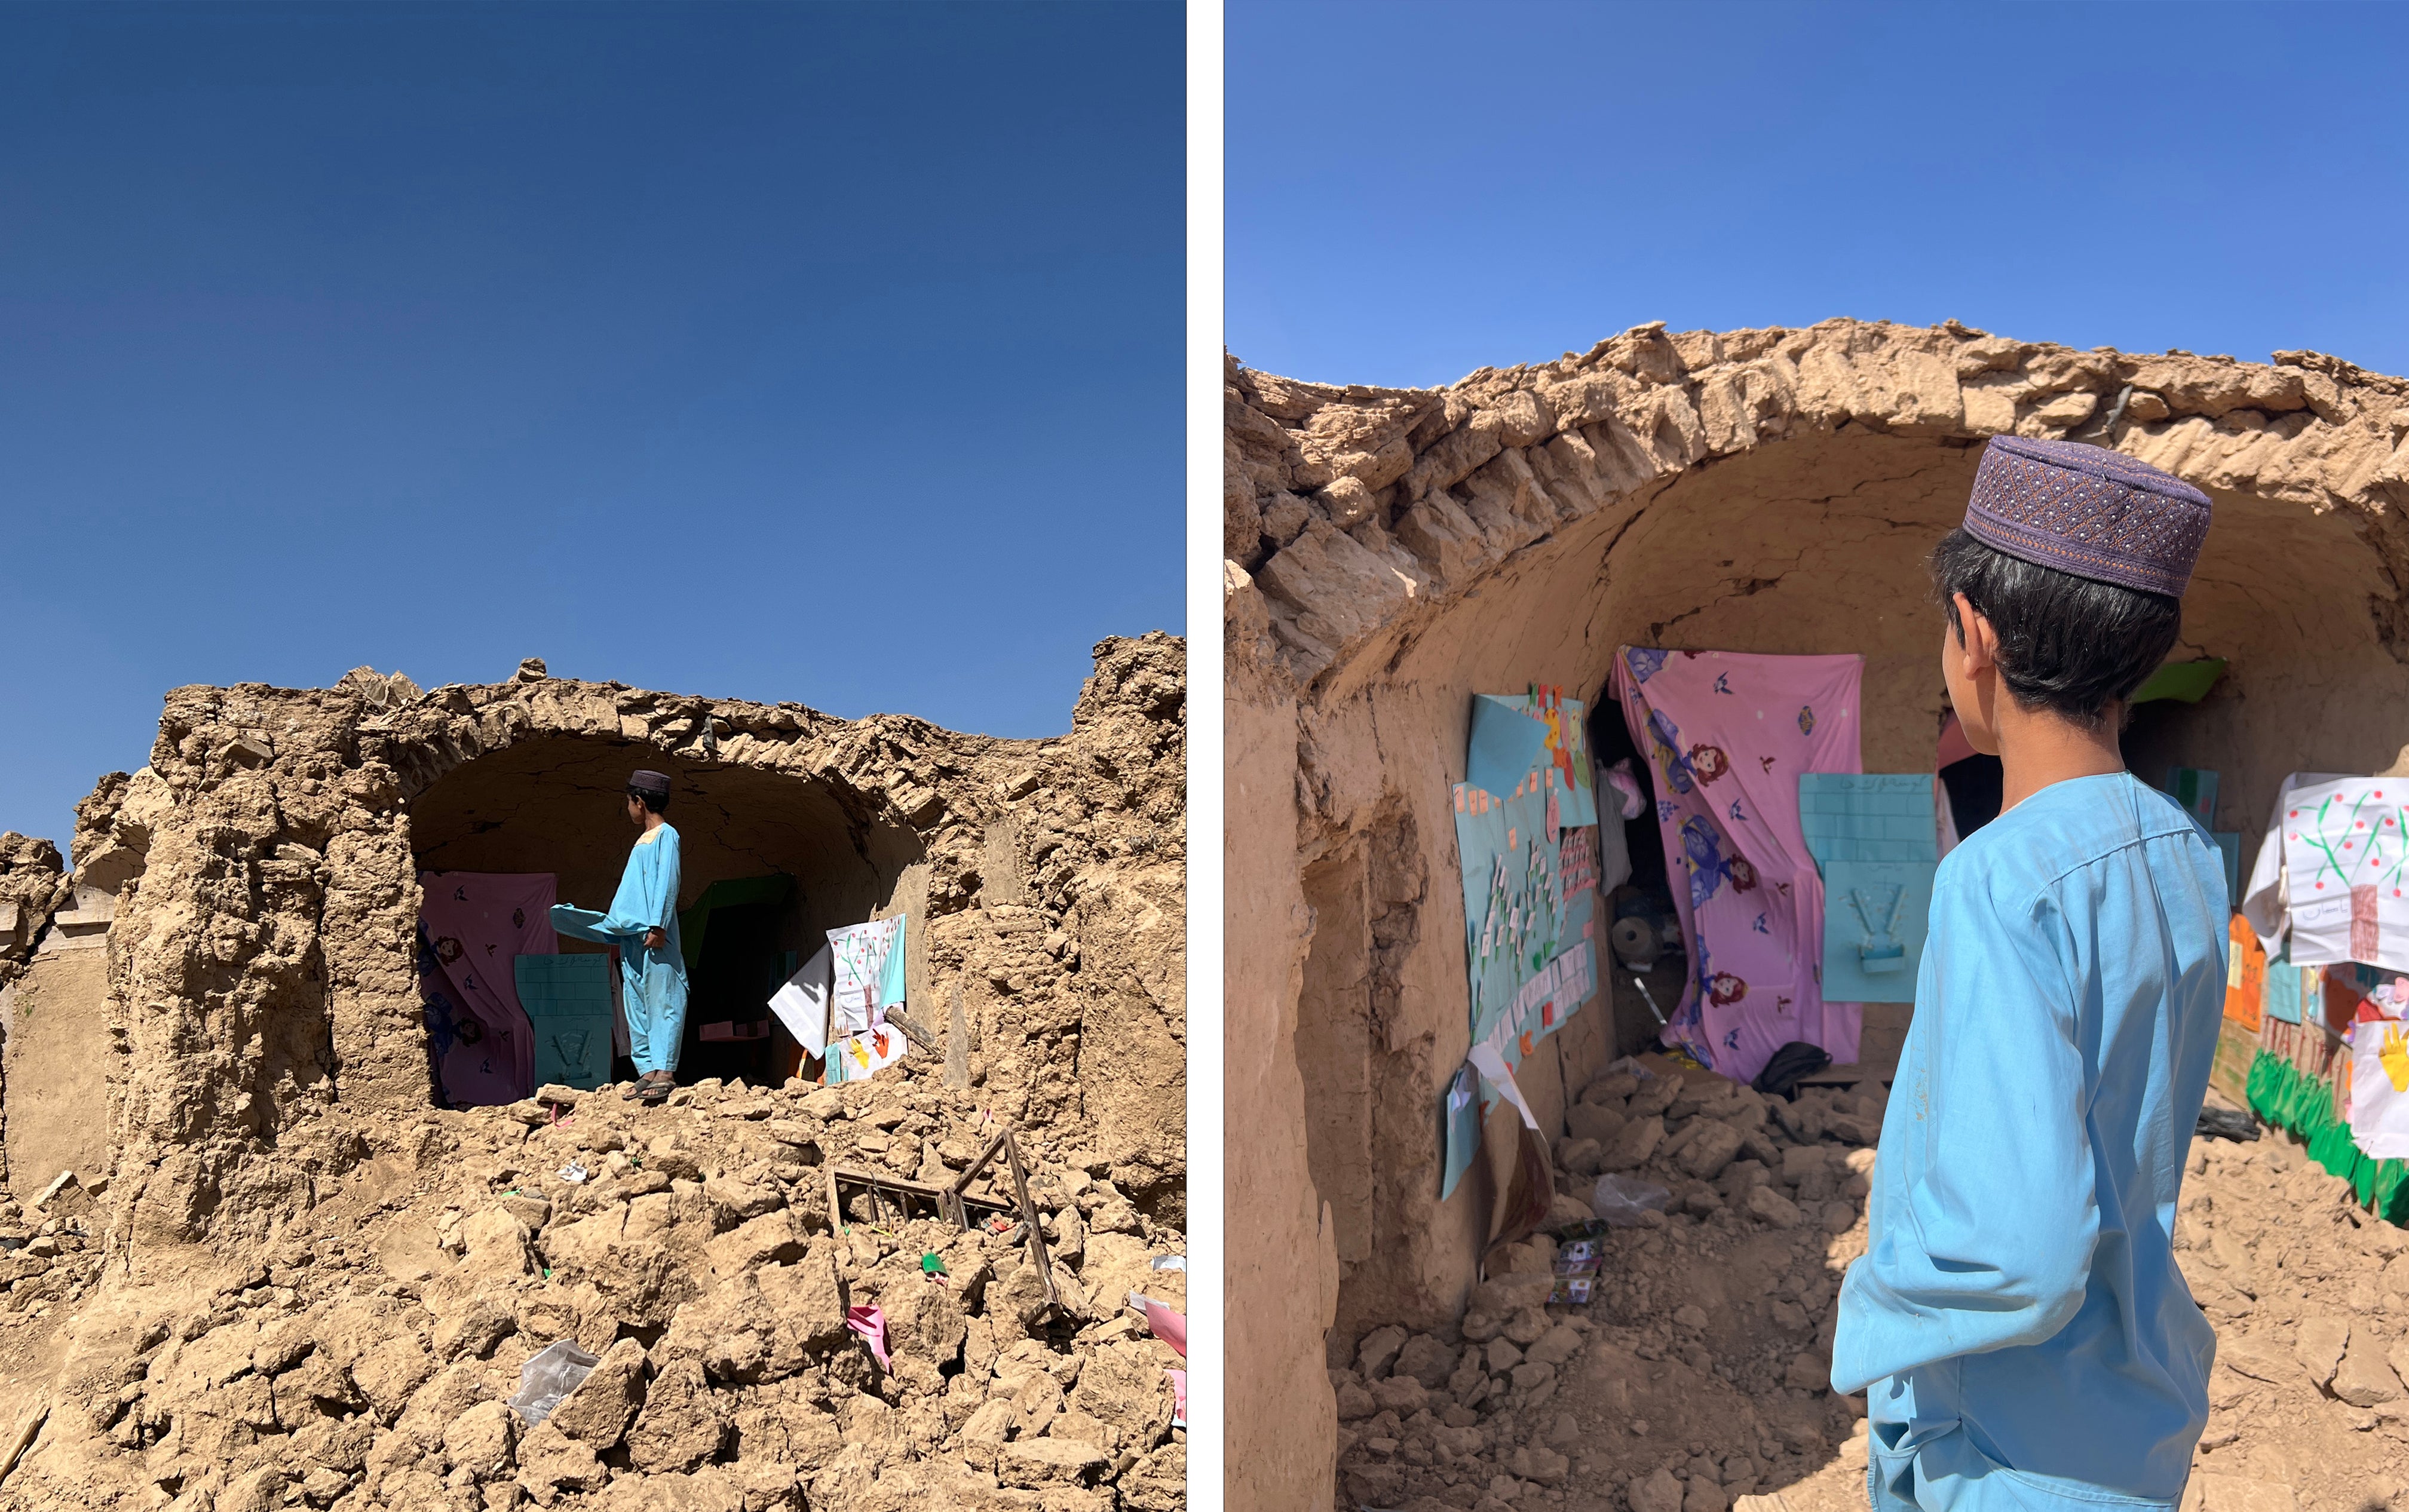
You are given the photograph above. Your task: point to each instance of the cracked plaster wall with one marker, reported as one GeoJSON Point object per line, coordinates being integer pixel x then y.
{"type": "Point", "coordinates": [1392, 553]}
{"type": "Point", "coordinates": [262, 996]}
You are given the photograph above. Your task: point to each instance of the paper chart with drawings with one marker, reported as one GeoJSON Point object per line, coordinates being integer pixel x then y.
{"type": "Point", "coordinates": [2347, 873]}
{"type": "Point", "coordinates": [836, 1006]}
{"type": "Point", "coordinates": [1526, 841]}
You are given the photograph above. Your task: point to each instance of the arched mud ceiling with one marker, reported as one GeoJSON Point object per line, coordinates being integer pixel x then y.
{"type": "Point", "coordinates": [555, 805]}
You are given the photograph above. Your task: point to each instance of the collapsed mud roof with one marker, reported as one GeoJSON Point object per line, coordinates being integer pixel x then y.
{"type": "Point", "coordinates": [254, 1139]}
{"type": "Point", "coordinates": [1392, 552]}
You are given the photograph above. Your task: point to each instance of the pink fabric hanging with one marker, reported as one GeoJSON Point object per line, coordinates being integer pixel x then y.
{"type": "Point", "coordinates": [478, 922]}
{"type": "Point", "coordinates": [472, 1066]}
{"type": "Point", "coordinates": [1726, 735]}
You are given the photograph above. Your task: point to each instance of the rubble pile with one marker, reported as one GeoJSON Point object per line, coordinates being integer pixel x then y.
{"type": "Point", "coordinates": [1697, 1378]}
{"type": "Point", "coordinates": [2309, 1400]}
{"type": "Point", "coordinates": [1698, 1374]}
{"type": "Point", "coordinates": [367, 1359]}
{"type": "Point", "coordinates": [49, 1249]}
{"type": "Point", "coordinates": [294, 1281]}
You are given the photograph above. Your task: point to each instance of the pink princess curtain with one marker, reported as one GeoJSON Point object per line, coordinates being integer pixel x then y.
{"type": "Point", "coordinates": [476, 924]}
{"type": "Point", "coordinates": [1728, 735]}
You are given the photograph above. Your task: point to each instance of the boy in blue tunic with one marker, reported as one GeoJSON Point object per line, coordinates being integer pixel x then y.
{"type": "Point", "coordinates": [2017, 1322]}
{"type": "Point", "coordinates": [643, 923]}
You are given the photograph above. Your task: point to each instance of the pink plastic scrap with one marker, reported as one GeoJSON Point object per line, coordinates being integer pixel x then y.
{"type": "Point", "coordinates": [871, 1325]}
{"type": "Point", "coordinates": [1180, 1394]}
{"type": "Point", "coordinates": [1168, 1326]}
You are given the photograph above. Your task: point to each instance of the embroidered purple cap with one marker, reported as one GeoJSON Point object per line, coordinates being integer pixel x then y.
{"type": "Point", "coordinates": [2088, 512]}
{"type": "Point", "coordinates": [655, 782]}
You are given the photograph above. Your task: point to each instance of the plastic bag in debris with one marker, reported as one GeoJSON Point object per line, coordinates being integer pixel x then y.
{"type": "Point", "coordinates": [2225, 1123]}
{"type": "Point", "coordinates": [1619, 1201]}
{"type": "Point", "coordinates": [557, 1369]}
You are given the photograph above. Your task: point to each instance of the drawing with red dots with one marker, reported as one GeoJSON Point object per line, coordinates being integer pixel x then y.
{"type": "Point", "coordinates": [2346, 871]}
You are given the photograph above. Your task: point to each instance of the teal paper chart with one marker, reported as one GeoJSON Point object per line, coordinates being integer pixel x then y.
{"type": "Point", "coordinates": [1526, 831]}
{"type": "Point", "coordinates": [1526, 834]}
{"type": "Point", "coordinates": [1875, 915]}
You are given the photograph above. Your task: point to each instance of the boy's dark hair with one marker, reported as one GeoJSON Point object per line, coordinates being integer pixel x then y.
{"type": "Point", "coordinates": [657, 802]}
{"type": "Point", "coordinates": [2068, 644]}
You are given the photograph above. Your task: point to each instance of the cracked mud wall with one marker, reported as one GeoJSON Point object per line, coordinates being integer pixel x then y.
{"type": "Point", "coordinates": [34, 886]}
{"type": "Point", "coordinates": [1392, 553]}
{"type": "Point", "coordinates": [1280, 1266]}
{"type": "Point", "coordinates": [261, 968]}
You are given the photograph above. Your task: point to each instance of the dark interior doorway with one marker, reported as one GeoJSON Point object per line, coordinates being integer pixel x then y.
{"type": "Point", "coordinates": [769, 862]}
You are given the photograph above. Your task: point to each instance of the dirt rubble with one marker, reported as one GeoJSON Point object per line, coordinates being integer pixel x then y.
{"type": "Point", "coordinates": [1699, 1379]}
{"type": "Point", "coordinates": [301, 1284]}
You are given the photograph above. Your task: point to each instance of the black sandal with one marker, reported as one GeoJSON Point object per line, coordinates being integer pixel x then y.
{"type": "Point", "coordinates": [661, 1089]}
{"type": "Point", "coordinates": [641, 1088]}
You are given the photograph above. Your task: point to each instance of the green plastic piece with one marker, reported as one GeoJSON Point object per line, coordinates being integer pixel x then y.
{"type": "Point", "coordinates": [932, 1264]}
{"type": "Point", "coordinates": [2283, 1097]}
{"type": "Point", "coordinates": [2187, 681]}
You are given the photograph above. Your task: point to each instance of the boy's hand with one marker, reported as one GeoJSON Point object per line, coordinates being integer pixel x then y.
{"type": "Point", "coordinates": [655, 939]}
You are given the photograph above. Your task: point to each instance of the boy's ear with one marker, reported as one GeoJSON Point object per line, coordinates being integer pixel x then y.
{"type": "Point", "coordinates": [1981, 641]}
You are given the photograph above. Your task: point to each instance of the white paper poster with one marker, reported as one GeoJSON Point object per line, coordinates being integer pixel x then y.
{"type": "Point", "coordinates": [2379, 1089]}
{"type": "Point", "coordinates": [2262, 895]}
{"type": "Point", "coordinates": [801, 1004]}
{"type": "Point", "coordinates": [857, 1055]}
{"type": "Point", "coordinates": [867, 972]}
{"type": "Point", "coordinates": [2346, 871]}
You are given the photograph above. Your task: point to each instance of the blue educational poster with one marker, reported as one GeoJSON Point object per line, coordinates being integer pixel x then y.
{"type": "Point", "coordinates": [1875, 915]}
{"type": "Point", "coordinates": [1525, 829]}
{"type": "Point", "coordinates": [1459, 1129]}
{"type": "Point", "coordinates": [1870, 816]}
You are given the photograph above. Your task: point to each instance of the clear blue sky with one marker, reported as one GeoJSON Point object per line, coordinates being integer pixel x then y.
{"type": "Point", "coordinates": [784, 352]}
{"type": "Point", "coordinates": [1417, 190]}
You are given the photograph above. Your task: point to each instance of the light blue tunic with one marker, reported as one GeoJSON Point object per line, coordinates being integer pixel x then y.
{"type": "Point", "coordinates": [654, 979]}
{"type": "Point", "coordinates": [2018, 1318]}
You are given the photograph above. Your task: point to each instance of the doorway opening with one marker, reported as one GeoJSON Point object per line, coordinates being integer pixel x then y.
{"type": "Point", "coordinates": [769, 862]}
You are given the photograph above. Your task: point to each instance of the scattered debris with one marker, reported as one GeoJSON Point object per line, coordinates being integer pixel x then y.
{"type": "Point", "coordinates": [484, 1330]}
{"type": "Point", "coordinates": [2239, 1124]}
{"type": "Point", "coordinates": [1721, 1312]}
{"type": "Point", "coordinates": [308, 1287]}
{"type": "Point", "coordinates": [555, 1370]}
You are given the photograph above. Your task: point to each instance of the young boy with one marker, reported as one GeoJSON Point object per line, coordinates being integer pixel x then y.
{"type": "Point", "coordinates": [643, 925]}
{"type": "Point", "coordinates": [2018, 1322]}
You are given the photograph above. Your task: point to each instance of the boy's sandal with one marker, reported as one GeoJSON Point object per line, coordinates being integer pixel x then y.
{"type": "Point", "coordinates": [641, 1088]}
{"type": "Point", "coordinates": [660, 1091]}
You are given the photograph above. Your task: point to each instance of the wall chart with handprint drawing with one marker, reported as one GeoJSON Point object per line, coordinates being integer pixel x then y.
{"type": "Point", "coordinates": [1874, 919]}
{"type": "Point", "coordinates": [2346, 871]}
{"type": "Point", "coordinates": [1728, 736]}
